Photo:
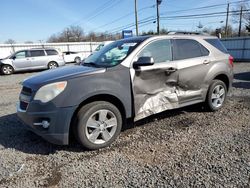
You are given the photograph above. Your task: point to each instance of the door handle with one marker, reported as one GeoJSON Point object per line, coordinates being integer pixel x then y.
{"type": "Point", "coordinates": [170, 70]}
{"type": "Point", "coordinates": [206, 61]}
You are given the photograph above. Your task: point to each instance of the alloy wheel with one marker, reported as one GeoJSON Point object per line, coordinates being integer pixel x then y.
{"type": "Point", "coordinates": [101, 126]}
{"type": "Point", "coordinates": [7, 70]}
{"type": "Point", "coordinates": [218, 96]}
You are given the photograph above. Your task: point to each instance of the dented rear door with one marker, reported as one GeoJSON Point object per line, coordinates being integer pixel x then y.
{"type": "Point", "coordinates": [193, 63]}
{"type": "Point", "coordinates": [154, 87]}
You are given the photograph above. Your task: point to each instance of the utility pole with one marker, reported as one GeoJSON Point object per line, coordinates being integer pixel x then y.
{"type": "Point", "coordinates": [241, 9]}
{"type": "Point", "coordinates": [226, 28]}
{"type": "Point", "coordinates": [136, 19]}
{"type": "Point", "coordinates": [158, 2]}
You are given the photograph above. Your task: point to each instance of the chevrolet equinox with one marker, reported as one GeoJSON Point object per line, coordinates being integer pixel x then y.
{"type": "Point", "coordinates": [130, 78]}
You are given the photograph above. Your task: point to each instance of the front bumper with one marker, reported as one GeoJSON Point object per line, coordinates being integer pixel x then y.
{"type": "Point", "coordinates": [59, 121]}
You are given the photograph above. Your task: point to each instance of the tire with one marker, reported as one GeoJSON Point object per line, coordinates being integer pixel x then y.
{"type": "Point", "coordinates": [77, 60]}
{"type": "Point", "coordinates": [52, 65]}
{"type": "Point", "coordinates": [216, 96]}
{"type": "Point", "coordinates": [98, 124]}
{"type": "Point", "coordinates": [7, 69]}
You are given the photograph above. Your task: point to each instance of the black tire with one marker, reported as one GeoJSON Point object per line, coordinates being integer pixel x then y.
{"type": "Point", "coordinates": [81, 129]}
{"type": "Point", "coordinates": [210, 100]}
{"type": "Point", "coordinates": [77, 60]}
{"type": "Point", "coordinates": [52, 65]}
{"type": "Point", "coordinates": [7, 69]}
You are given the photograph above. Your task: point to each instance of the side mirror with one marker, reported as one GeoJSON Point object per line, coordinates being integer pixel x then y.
{"type": "Point", "coordinates": [143, 61]}
{"type": "Point", "coordinates": [13, 57]}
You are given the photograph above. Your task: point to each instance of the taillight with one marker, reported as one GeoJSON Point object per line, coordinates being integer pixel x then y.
{"type": "Point", "coordinates": [231, 60]}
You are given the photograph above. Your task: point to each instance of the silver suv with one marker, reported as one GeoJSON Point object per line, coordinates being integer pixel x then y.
{"type": "Point", "coordinates": [130, 78]}
{"type": "Point", "coordinates": [32, 59]}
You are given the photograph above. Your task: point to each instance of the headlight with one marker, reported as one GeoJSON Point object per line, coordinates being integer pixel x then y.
{"type": "Point", "coordinates": [50, 91]}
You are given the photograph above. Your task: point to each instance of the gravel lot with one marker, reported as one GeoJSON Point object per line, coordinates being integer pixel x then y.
{"type": "Point", "coordinates": [180, 148]}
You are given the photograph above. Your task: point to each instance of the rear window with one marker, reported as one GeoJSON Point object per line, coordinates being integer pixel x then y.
{"type": "Point", "coordinates": [36, 53]}
{"type": "Point", "coordinates": [51, 52]}
{"type": "Point", "coordinates": [217, 44]}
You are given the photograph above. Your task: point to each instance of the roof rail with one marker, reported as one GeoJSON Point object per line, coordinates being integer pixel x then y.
{"type": "Point", "coordinates": [39, 48]}
{"type": "Point", "coordinates": [186, 33]}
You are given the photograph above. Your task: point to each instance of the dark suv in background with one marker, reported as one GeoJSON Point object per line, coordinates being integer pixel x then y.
{"type": "Point", "coordinates": [130, 78]}
{"type": "Point", "coordinates": [32, 59]}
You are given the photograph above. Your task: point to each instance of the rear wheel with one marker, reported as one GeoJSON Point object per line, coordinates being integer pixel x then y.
{"type": "Point", "coordinates": [216, 95]}
{"type": "Point", "coordinates": [52, 65]}
{"type": "Point", "coordinates": [98, 124]}
{"type": "Point", "coordinates": [7, 69]}
{"type": "Point", "coordinates": [77, 60]}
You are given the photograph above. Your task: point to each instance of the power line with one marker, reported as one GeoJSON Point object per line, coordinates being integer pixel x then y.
{"type": "Point", "coordinates": [179, 17]}
{"type": "Point", "coordinates": [111, 5]}
{"type": "Point", "coordinates": [193, 16]}
{"type": "Point", "coordinates": [205, 14]}
{"type": "Point", "coordinates": [122, 17]}
{"type": "Point", "coordinates": [205, 7]}
{"type": "Point", "coordinates": [93, 12]}
{"type": "Point", "coordinates": [131, 24]}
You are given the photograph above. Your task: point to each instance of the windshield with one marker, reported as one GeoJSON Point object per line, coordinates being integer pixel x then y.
{"type": "Point", "coordinates": [112, 54]}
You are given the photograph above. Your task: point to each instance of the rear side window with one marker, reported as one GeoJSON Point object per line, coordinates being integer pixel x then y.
{"type": "Point", "coordinates": [36, 53]}
{"type": "Point", "coordinates": [159, 50]}
{"type": "Point", "coordinates": [217, 44]}
{"type": "Point", "coordinates": [51, 52]}
{"type": "Point", "coordinates": [188, 48]}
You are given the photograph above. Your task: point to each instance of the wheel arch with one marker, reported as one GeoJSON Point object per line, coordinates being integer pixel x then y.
{"type": "Point", "coordinates": [99, 97]}
{"type": "Point", "coordinates": [4, 64]}
{"type": "Point", "coordinates": [224, 78]}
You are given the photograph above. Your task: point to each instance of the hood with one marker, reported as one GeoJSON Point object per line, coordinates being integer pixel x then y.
{"type": "Point", "coordinates": [60, 74]}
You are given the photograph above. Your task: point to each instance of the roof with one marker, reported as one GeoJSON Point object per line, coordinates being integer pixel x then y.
{"type": "Point", "coordinates": [41, 49]}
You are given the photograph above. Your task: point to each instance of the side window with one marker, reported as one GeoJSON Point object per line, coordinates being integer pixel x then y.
{"type": "Point", "coordinates": [51, 52]}
{"type": "Point", "coordinates": [37, 53]}
{"type": "Point", "coordinates": [188, 48]}
{"type": "Point", "coordinates": [20, 55]}
{"type": "Point", "coordinates": [159, 50]}
{"type": "Point", "coordinates": [204, 51]}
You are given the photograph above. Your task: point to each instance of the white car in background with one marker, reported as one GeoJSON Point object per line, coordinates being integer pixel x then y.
{"type": "Point", "coordinates": [32, 59]}
{"type": "Point", "coordinates": [75, 57]}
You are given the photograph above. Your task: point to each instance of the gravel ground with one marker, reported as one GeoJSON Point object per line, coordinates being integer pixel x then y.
{"type": "Point", "coordinates": [180, 148]}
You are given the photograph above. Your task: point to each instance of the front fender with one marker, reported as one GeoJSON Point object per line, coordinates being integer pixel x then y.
{"type": "Point", "coordinates": [115, 82]}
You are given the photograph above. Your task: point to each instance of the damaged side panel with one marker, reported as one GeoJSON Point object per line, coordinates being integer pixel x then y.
{"type": "Point", "coordinates": [154, 89]}
{"type": "Point", "coordinates": [170, 82]}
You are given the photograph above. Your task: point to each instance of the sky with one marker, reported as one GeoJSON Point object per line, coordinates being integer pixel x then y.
{"type": "Point", "coordinates": [36, 20]}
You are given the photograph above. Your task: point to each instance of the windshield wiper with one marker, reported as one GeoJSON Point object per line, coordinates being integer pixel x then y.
{"type": "Point", "coordinates": [92, 64]}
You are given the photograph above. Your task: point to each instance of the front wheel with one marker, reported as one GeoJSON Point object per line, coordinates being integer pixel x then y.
{"type": "Point", "coordinates": [52, 65]}
{"type": "Point", "coordinates": [98, 124]}
{"type": "Point", "coordinates": [7, 69]}
{"type": "Point", "coordinates": [216, 95]}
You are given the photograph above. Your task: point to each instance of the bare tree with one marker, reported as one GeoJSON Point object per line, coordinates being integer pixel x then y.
{"type": "Point", "coordinates": [69, 34]}
{"type": "Point", "coordinates": [10, 41]}
{"type": "Point", "coordinates": [245, 16]}
{"type": "Point", "coordinates": [77, 33]}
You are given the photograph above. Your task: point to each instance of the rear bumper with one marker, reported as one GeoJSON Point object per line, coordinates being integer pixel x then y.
{"type": "Point", "coordinates": [59, 122]}
{"type": "Point", "coordinates": [61, 63]}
